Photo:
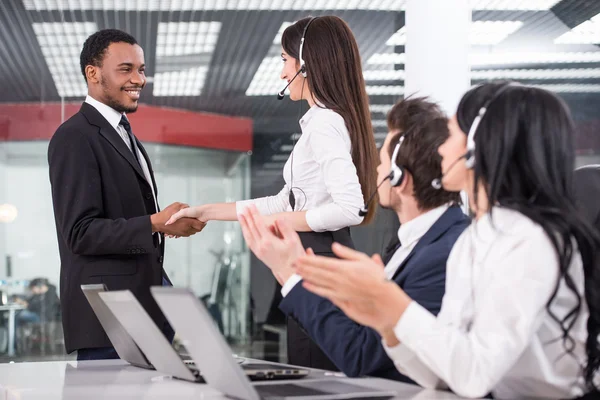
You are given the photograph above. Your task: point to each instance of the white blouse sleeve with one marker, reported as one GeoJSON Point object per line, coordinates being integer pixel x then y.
{"type": "Point", "coordinates": [267, 205]}
{"type": "Point", "coordinates": [472, 361]}
{"type": "Point", "coordinates": [329, 144]}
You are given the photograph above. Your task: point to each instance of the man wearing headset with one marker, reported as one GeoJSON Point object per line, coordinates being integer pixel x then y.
{"type": "Point", "coordinates": [431, 221]}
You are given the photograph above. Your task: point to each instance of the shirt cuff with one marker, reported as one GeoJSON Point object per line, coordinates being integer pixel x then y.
{"type": "Point", "coordinates": [314, 221]}
{"type": "Point", "coordinates": [289, 284]}
{"type": "Point", "coordinates": [415, 321]}
{"type": "Point", "coordinates": [399, 354]}
{"type": "Point", "coordinates": [240, 206]}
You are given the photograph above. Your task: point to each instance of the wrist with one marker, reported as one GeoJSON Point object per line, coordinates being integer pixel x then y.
{"type": "Point", "coordinates": [391, 294]}
{"type": "Point", "coordinates": [389, 338]}
{"type": "Point", "coordinates": [156, 223]}
{"type": "Point", "coordinates": [202, 212]}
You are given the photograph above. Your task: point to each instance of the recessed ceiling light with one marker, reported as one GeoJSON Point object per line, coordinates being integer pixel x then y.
{"type": "Point", "coordinates": [266, 5]}
{"type": "Point", "coordinates": [61, 44]}
{"type": "Point", "coordinates": [587, 32]}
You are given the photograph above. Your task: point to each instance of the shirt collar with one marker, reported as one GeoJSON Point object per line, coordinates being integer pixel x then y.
{"type": "Point", "coordinates": [110, 114]}
{"type": "Point", "coordinates": [413, 230]}
{"type": "Point", "coordinates": [310, 113]}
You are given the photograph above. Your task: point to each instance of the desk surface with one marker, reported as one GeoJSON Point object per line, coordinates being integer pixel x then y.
{"type": "Point", "coordinates": [115, 379]}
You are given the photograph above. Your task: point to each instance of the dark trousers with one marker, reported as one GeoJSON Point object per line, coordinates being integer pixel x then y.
{"type": "Point", "coordinates": [301, 349]}
{"type": "Point", "coordinates": [109, 353]}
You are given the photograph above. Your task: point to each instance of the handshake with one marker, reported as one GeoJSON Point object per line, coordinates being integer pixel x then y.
{"type": "Point", "coordinates": [182, 227]}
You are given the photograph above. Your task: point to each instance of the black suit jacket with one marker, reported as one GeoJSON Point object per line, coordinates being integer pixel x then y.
{"type": "Point", "coordinates": [102, 205]}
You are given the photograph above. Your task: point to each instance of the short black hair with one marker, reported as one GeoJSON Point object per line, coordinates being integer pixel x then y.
{"type": "Point", "coordinates": [424, 127]}
{"type": "Point", "coordinates": [95, 46]}
{"type": "Point", "coordinates": [38, 282]}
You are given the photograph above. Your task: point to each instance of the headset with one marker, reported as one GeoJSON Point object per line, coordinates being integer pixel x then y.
{"type": "Point", "coordinates": [302, 69]}
{"type": "Point", "coordinates": [280, 96]}
{"type": "Point", "coordinates": [396, 175]}
{"type": "Point", "coordinates": [469, 156]}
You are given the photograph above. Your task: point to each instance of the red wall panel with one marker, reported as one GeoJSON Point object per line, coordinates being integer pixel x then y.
{"type": "Point", "coordinates": [36, 121]}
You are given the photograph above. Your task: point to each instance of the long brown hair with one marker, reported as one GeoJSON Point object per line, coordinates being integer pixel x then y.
{"type": "Point", "coordinates": [335, 78]}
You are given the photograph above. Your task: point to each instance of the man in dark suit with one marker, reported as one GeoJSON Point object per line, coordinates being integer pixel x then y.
{"type": "Point", "coordinates": [431, 221]}
{"type": "Point", "coordinates": [110, 228]}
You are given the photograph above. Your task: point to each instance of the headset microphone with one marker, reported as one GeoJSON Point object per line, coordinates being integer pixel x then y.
{"type": "Point", "coordinates": [437, 182]}
{"type": "Point", "coordinates": [365, 209]}
{"type": "Point", "coordinates": [281, 94]}
{"type": "Point", "coordinates": [469, 156]}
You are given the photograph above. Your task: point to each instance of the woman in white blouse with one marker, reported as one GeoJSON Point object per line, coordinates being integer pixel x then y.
{"type": "Point", "coordinates": [520, 317]}
{"type": "Point", "coordinates": [330, 172]}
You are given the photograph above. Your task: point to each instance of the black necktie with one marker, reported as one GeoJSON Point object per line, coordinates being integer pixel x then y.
{"type": "Point", "coordinates": [390, 249]}
{"type": "Point", "coordinates": [125, 123]}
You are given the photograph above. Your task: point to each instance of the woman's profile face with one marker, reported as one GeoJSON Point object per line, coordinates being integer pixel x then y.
{"type": "Point", "coordinates": [291, 66]}
{"type": "Point", "coordinates": [453, 167]}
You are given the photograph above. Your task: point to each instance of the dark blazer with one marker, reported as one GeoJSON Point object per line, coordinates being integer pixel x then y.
{"type": "Point", "coordinates": [355, 349]}
{"type": "Point", "coordinates": [102, 206]}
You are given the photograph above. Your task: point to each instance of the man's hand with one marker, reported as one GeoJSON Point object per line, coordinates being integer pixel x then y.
{"type": "Point", "coordinates": [183, 227]}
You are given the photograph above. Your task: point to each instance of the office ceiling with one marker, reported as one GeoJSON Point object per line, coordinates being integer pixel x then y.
{"type": "Point", "coordinates": [221, 56]}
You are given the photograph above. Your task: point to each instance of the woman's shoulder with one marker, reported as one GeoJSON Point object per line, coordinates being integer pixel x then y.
{"type": "Point", "coordinates": [325, 117]}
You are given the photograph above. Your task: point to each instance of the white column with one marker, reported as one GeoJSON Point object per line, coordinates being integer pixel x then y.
{"type": "Point", "coordinates": [437, 50]}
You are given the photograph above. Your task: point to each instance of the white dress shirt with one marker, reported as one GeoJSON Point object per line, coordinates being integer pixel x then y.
{"type": "Point", "coordinates": [493, 332]}
{"type": "Point", "coordinates": [114, 119]}
{"type": "Point", "coordinates": [325, 181]}
{"type": "Point", "coordinates": [409, 234]}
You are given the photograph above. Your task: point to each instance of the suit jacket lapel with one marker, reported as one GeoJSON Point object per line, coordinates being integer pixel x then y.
{"type": "Point", "coordinates": [440, 227]}
{"type": "Point", "coordinates": [109, 133]}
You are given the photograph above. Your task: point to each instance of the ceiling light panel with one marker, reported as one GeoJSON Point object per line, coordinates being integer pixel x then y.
{"type": "Point", "coordinates": [387, 58]}
{"type": "Point", "coordinates": [524, 74]}
{"type": "Point", "coordinates": [504, 58]}
{"type": "Point", "coordinates": [572, 88]}
{"type": "Point", "coordinates": [187, 82]}
{"type": "Point", "coordinates": [481, 33]}
{"type": "Point", "coordinates": [380, 108]}
{"type": "Point", "coordinates": [181, 38]}
{"type": "Point", "coordinates": [176, 39]}
{"type": "Point", "coordinates": [199, 5]}
{"type": "Point", "coordinates": [397, 75]}
{"type": "Point", "coordinates": [385, 90]}
{"type": "Point", "coordinates": [522, 5]}
{"type": "Point", "coordinates": [61, 44]}
{"type": "Point", "coordinates": [587, 32]}
{"type": "Point", "coordinates": [266, 80]}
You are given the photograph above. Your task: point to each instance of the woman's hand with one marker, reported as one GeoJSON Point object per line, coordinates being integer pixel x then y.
{"type": "Point", "coordinates": [357, 284]}
{"type": "Point", "coordinates": [189, 212]}
{"type": "Point", "coordinates": [273, 241]}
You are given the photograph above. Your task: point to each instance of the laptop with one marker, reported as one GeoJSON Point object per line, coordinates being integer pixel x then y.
{"type": "Point", "coordinates": [124, 344]}
{"type": "Point", "coordinates": [120, 339]}
{"type": "Point", "coordinates": [138, 324]}
{"type": "Point", "coordinates": [210, 351]}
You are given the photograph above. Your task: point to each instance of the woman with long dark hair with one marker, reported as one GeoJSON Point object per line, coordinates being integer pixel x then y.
{"type": "Point", "coordinates": [521, 313]}
{"type": "Point", "coordinates": [331, 169]}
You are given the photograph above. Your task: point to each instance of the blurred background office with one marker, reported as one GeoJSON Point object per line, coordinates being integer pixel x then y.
{"type": "Point", "coordinates": [215, 131]}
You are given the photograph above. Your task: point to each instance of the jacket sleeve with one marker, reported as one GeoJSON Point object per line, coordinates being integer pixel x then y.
{"type": "Point", "coordinates": [355, 349]}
